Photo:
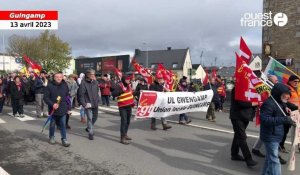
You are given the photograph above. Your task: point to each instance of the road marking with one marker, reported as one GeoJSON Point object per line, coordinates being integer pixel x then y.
{"type": "Point", "coordinates": [3, 172]}
{"type": "Point", "coordinates": [2, 121]}
{"type": "Point", "coordinates": [25, 118]}
{"type": "Point", "coordinates": [116, 107]}
{"type": "Point", "coordinates": [75, 113]}
{"type": "Point", "coordinates": [108, 109]}
{"type": "Point", "coordinates": [218, 130]}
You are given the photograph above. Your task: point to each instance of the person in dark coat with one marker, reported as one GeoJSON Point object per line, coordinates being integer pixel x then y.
{"type": "Point", "coordinates": [210, 115]}
{"type": "Point", "coordinates": [273, 117]}
{"type": "Point", "coordinates": [183, 87]}
{"type": "Point", "coordinates": [141, 86]}
{"type": "Point", "coordinates": [17, 91]}
{"type": "Point", "coordinates": [55, 89]}
{"type": "Point", "coordinates": [39, 86]}
{"type": "Point", "coordinates": [2, 94]}
{"type": "Point", "coordinates": [88, 97]}
{"type": "Point", "coordinates": [159, 85]}
{"type": "Point", "coordinates": [240, 114]}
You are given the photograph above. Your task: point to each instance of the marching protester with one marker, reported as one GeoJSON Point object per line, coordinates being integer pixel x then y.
{"type": "Point", "coordinates": [105, 90]}
{"type": "Point", "coordinates": [81, 110]}
{"type": "Point", "coordinates": [273, 118]}
{"type": "Point", "coordinates": [113, 83]}
{"type": "Point", "coordinates": [240, 114]}
{"type": "Point", "coordinates": [17, 91]}
{"type": "Point", "coordinates": [192, 87]}
{"type": "Point", "coordinates": [210, 115]}
{"type": "Point", "coordinates": [292, 83]}
{"type": "Point", "coordinates": [57, 88]}
{"type": "Point", "coordinates": [272, 80]}
{"type": "Point", "coordinates": [124, 95]}
{"type": "Point", "coordinates": [222, 93]}
{"type": "Point", "coordinates": [159, 85]}
{"type": "Point", "coordinates": [2, 94]}
{"type": "Point", "coordinates": [183, 87]}
{"type": "Point", "coordinates": [88, 97]}
{"type": "Point", "coordinates": [73, 87]}
{"type": "Point", "coordinates": [141, 86]}
{"type": "Point", "coordinates": [9, 82]}
{"type": "Point", "coordinates": [39, 85]}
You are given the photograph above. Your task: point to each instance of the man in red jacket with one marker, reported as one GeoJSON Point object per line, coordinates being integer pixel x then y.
{"type": "Point", "coordinates": [105, 90]}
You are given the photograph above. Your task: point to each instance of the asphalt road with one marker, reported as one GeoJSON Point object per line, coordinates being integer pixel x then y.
{"type": "Point", "coordinates": [203, 148]}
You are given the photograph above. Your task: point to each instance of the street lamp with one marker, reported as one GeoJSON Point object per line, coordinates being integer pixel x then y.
{"type": "Point", "coordinates": [3, 58]}
{"type": "Point", "coordinates": [146, 54]}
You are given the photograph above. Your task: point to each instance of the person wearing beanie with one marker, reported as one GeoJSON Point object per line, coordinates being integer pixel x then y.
{"type": "Point", "coordinates": [159, 85]}
{"type": "Point", "coordinates": [183, 87]}
{"type": "Point", "coordinates": [124, 94]}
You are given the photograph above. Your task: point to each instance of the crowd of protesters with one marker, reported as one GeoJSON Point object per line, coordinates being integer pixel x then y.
{"type": "Point", "coordinates": [56, 95]}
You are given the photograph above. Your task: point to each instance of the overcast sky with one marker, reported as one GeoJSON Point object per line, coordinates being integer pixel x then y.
{"type": "Point", "coordinates": [107, 27]}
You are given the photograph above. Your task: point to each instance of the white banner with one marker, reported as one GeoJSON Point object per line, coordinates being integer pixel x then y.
{"type": "Point", "coordinates": [154, 104]}
{"type": "Point", "coordinates": [295, 135]}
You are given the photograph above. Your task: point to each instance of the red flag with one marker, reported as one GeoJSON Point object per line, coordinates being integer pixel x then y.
{"type": "Point", "coordinates": [244, 90]}
{"type": "Point", "coordinates": [214, 73]}
{"type": "Point", "coordinates": [168, 76]}
{"type": "Point", "coordinates": [118, 73]}
{"type": "Point", "coordinates": [36, 67]}
{"type": "Point", "coordinates": [245, 52]}
{"type": "Point", "coordinates": [205, 80]}
{"type": "Point", "coordinates": [142, 71]}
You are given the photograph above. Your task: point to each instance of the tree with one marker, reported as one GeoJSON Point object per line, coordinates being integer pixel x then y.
{"type": "Point", "coordinates": [47, 49]}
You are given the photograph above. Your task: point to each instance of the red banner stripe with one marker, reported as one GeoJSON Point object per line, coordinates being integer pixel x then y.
{"type": "Point", "coordinates": [28, 15]}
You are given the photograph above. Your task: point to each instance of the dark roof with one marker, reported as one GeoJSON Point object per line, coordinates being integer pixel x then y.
{"type": "Point", "coordinates": [166, 57]}
{"type": "Point", "coordinates": [226, 71]}
{"type": "Point", "coordinates": [195, 66]}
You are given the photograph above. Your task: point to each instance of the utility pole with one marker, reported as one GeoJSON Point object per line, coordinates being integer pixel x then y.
{"type": "Point", "coordinates": [146, 54]}
{"type": "Point", "coordinates": [216, 58]}
{"type": "Point", "coordinates": [201, 57]}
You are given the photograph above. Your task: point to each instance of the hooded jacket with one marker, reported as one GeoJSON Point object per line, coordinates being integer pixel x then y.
{"type": "Point", "coordinates": [271, 117]}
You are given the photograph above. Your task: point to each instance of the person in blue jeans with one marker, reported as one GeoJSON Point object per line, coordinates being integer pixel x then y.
{"type": "Point", "coordinates": [273, 115]}
{"type": "Point", "coordinates": [55, 89]}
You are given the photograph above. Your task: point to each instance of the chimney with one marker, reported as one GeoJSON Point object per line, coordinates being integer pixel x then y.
{"type": "Point", "coordinates": [169, 48]}
{"type": "Point", "coordinates": [137, 52]}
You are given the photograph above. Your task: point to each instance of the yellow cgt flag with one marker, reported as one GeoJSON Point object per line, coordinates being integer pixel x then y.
{"type": "Point", "coordinates": [24, 71]}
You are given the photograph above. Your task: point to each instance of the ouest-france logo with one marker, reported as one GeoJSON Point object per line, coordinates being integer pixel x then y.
{"type": "Point", "coordinates": [264, 19]}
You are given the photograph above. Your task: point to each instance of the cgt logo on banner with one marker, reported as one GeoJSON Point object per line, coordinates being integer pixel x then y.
{"type": "Point", "coordinates": [154, 104]}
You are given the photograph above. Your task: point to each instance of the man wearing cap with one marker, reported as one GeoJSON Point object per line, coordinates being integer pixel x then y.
{"type": "Point", "coordinates": [88, 97]}
{"type": "Point", "coordinates": [39, 86]}
{"type": "Point", "coordinates": [292, 83]}
{"type": "Point", "coordinates": [159, 85]}
{"type": "Point", "coordinates": [124, 94]}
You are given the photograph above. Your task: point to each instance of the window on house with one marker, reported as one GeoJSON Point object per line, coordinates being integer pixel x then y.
{"type": "Point", "coordinates": [174, 65]}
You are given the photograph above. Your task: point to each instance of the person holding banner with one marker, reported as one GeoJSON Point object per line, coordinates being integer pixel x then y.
{"type": "Point", "coordinates": [159, 85]}
{"type": "Point", "coordinates": [141, 86]}
{"type": "Point", "coordinates": [182, 87]}
{"type": "Point", "coordinates": [293, 83]}
{"type": "Point", "coordinates": [124, 94]}
{"type": "Point", "coordinates": [52, 91]}
{"type": "Point", "coordinates": [273, 117]}
{"type": "Point", "coordinates": [210, 115]}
